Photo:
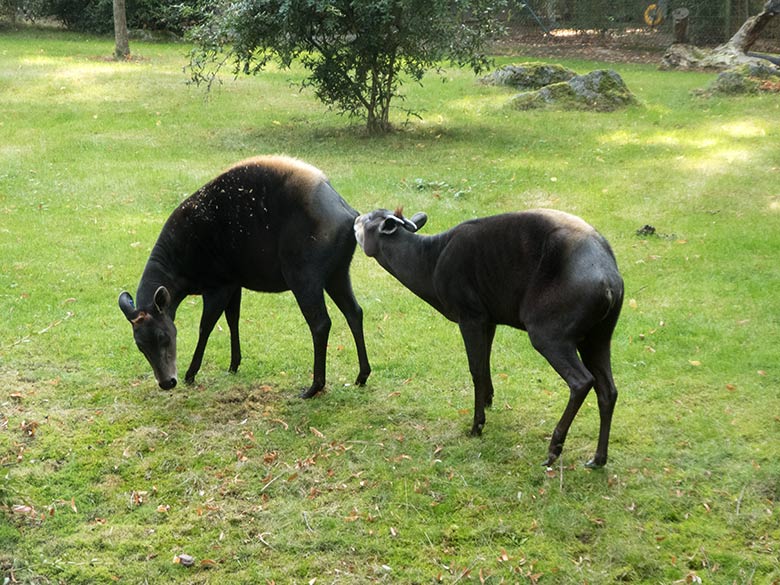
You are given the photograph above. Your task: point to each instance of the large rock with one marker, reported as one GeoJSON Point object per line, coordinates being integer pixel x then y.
{"type": "Point", "coordinates": [601, 90]}
{"type": "Point", "coordinates": [745, 78]}
{"type": "Point", "coordinates": [529, 76]}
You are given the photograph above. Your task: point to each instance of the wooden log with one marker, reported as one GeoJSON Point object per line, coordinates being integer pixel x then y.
{"type": "Point", "coordinates": [749, 32]}
{"type": "Point", "coordinates": [730, 54]}
{"type": "Point", "coordinates": [680, 20]}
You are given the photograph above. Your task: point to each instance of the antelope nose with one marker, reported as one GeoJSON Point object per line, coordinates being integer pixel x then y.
{"type": "Point", "coordinates": [168, 384]}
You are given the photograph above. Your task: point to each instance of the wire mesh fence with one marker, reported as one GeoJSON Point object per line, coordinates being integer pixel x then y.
{"type": "Point", "coordinates": [641, 23]}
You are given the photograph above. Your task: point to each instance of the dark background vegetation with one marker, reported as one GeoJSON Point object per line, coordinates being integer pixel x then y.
{"type": "Point", "coordinates": [712, 21]}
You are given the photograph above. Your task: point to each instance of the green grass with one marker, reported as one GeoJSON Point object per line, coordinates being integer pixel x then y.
{"type": "Point", "coordinates": [381, 483]}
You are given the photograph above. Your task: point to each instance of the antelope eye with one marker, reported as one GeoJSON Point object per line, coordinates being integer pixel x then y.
{"type": "Point", "coordinates": [163, 339]}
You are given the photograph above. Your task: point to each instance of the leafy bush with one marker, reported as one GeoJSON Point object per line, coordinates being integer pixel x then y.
{"type": "Point", "coordinates": [356, 52]}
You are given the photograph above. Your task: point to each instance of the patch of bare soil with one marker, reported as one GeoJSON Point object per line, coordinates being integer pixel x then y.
{"type": "Point", "coordinates": [635, 46]}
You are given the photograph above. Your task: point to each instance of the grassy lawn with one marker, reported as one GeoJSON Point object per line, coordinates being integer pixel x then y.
{"type": "Point", "coordinates": [105, 478]}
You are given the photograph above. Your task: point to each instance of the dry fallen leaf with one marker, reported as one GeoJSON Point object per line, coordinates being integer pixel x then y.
{"type": "Point", "coordinates": [281, 422]}
{"type": "Point", "coordinates": [22, 509]}
{"type": "Point", "coordinates": [138, 497]}
{"type": "Point", "coordinates": [29, 427]}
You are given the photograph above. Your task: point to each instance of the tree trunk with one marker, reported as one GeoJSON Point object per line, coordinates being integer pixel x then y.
{"type": "Point", "coordinates": [680, 18]}
{"type": "Point", "coordinates": [749, 32]}
{"type": "Point", "coordinates": [122, 48]}
{"type": "Point", "coordinates": [730, 54]}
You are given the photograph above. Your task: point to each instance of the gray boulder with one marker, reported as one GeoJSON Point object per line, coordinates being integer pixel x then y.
{"type": "Point", "coordinates": [745, 78]}
{"type": "Point", "coordinates": [601, 90]}
{"type": "Point", "coordinates": [528, 76]}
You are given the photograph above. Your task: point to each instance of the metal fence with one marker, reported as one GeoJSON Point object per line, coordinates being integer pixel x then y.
{"type": "Point", "coordinates": [711, 22]}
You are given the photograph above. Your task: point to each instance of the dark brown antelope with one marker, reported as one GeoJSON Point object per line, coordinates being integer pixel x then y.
{"type": "Point", "coordinates": [545, 272]}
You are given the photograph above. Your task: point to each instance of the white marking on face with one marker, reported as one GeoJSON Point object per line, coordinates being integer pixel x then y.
{"type": "Point", "coordinates": [360, 230]}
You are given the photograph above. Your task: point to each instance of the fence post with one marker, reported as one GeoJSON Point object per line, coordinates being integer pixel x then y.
{"type": "Point", "coordinates": [680, 19]}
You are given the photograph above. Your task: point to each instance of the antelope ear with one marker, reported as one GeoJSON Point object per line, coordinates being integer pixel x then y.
{"type": "Point", "coordinates": [419, 219]}
{"type": "Point", "coordinates": [127, 306]}
{"type": "Point", "coordinates": [390, 224]}
{"type": "Point", "coordinates": [162, 298]}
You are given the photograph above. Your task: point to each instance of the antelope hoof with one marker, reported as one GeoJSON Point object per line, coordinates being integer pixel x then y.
{"type": "Point", "coordinates": [597, 462]}
{"type": "Point", "coordinates": [311, 392]}
{"type": "Point", "coordinates": [361, 379]}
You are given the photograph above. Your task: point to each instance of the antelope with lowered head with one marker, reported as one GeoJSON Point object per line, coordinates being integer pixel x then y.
{"type": "Point", "coordinates": [267, 224]}
{"type": "Point", "coordinates": [543, 271]}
